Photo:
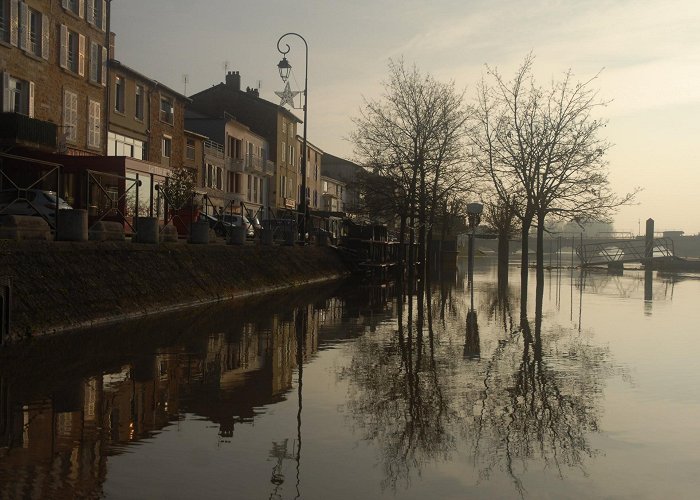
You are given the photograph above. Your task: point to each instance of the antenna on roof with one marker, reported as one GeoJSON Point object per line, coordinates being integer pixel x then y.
{"type": "Point", "coordinates": [185, 80]}
{"type": "Point", "coordinates": [259, 85]}
{"type": "Point", "coordinates": [225, 65]}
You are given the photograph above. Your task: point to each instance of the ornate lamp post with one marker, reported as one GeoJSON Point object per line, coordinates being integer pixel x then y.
{"type": "Point", "coordinates": [287, 97]}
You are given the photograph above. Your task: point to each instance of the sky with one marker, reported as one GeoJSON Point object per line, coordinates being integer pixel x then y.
{"type": "Point", "coordinates": [646, 52]}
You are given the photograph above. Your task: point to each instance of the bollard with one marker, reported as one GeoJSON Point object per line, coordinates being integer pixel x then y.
{"type": "Point", "coordinates": [322, 239]}
{"type": "Point", "coordinates": [266, 236]}
{"type": "Point", "coordinates": [236, 235]}
{"type": "Point", "coordinates": [169, 234]}
{"type": "Point", "coordinates": [289, 238]}
{"type": "Point", "coordinates": [147, 230]}
{"type": "Point", "coordinates": [199, 233]}
{"type": "Point", "coordinates": [72, 225]}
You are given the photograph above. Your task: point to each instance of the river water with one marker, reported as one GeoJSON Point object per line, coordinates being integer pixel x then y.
{"type": "Point", "coordinates": [345, 392]}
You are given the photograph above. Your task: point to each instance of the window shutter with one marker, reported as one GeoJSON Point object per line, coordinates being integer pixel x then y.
{"type": "Point", "coordinates": [81, 8]}
{"type": "Point", "coordinates": [63, 56]}
{"type": "Point", "coordinates": [103, 21]}
{"type": "Point", "coordinates": [23, 26]}
{"type": "Point", "coordinates": [94, 63]}
{"type": "Point", "coordinates": [6, 94]}
{"type": "Point", "coordinates": [81, 55]}
{"type": "Point", "coordinates": [90, 12]}
{"type": "Point", "coordinates": [14, 22]}
{"type": "Point", "coordinates": [104, 66]}
{"type": "Point", "coordinates": [45, 36]}
{"type": "Point", "coordinates": [96, 126]}
{"type": "Point", "coordinates": [31, 100]}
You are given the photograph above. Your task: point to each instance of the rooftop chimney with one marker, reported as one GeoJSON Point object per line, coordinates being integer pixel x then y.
{"type": "Point", "coordinates": [233, 78]}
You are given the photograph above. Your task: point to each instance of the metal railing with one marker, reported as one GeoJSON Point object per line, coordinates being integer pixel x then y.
{"type": "Point", "coordinates": [111, 205]}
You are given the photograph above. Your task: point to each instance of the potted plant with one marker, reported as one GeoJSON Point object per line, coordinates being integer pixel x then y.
{"type": "Point", "coordinates": [183, 202]}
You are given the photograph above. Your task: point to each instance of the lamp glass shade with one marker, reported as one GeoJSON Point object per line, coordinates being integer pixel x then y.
{"type": "Point", "coordinates": [284, 68]}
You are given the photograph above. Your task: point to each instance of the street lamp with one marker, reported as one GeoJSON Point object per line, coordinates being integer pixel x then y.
{"type": "Point", "coordinates": [284, 68]}
{"type": "Point", "coordinates": [474, 211]}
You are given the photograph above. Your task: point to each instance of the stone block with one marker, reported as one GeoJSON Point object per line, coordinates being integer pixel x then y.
{"type": "Point", "coordinates": [107, 231]}
{"type": "Point", "coordinates": [169, 234]}
{"type": "Point", "coordinates": [24, 227]}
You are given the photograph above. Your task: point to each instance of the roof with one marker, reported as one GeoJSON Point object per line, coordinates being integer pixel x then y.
{"type": "Point", "coordinates": [253, 98]}
{"type": "Point", "coordinates": [118, 65]}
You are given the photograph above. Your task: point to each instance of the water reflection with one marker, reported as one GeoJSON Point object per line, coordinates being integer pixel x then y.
{"type": "Point", "coordinates": [449, 371]}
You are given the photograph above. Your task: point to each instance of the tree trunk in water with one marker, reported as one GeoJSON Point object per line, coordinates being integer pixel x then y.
{"type": "Point", "coordinates": [540, 248]}
{"type": "Point", "coordinates": [524, 262]}
{"type": "Point", "coordinates": [503, 255]}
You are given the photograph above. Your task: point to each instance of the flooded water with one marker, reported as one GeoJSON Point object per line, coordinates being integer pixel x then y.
{"type": "Point", "coordinates": [345, 392]}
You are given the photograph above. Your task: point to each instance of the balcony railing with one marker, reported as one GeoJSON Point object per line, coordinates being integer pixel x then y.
{"type": "Point", "coordinates": [250, 164]}
{"type": "Point", "coordinates": [21, 129]}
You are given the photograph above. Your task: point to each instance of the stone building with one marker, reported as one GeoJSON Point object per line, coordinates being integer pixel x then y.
{"type": "Point", "coordinates": [53, 57]}
{"type": "Point", "coordinates": [269, 121]}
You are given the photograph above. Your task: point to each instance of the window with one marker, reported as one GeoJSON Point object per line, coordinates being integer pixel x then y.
{"type": "Point", "coordinates": [167, 146]}
{"type": "Point", "coordinates": [284, 151]}
{"type": "Point", "coordinates": [94, 138]}
{"type": "Point", "coordinates": [139, 102]}
{"type": "Point", "coordinates": [255, 189]}
{"type": "Point", "coordinates": [291, 155]}
{"type": "Point", "coordinates": [98, 60]}
{"type": "Point", "coordinates": [166, 110]}
{"type": "Point", "coordinates": [283, 186]}
{"type": "Point", "coordinates": [17, 95]}
{"type": "Point", "coordinates": [120, 145]}
{"type": "Point", "coordinates": [70, 115]}
{"type": "Point", "coordinates": [119, 85]}
{"type": "Point", "coordinates": [5, 21]}
{"type": "Point", "coordinates": [250, 188]}
{"type": "Point", "coordinates": [72, 55]}
{"type": "Point", "coordinates": [73, 6]}
{"type": "Point", "coordinates": [190, 149]}
{"type": "Point", "coordinates": [96, 13]}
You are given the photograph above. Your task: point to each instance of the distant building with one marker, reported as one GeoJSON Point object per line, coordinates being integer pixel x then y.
{"type": "Point", "coordinates": [269, 121]}
{"type": "Point", "coordinates": [345, 172]}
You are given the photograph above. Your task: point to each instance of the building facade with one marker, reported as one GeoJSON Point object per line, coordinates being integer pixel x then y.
{"type": "Point", "coordinates": [266, 120]}
{"type": "Point", "coordinates": [53, 56]}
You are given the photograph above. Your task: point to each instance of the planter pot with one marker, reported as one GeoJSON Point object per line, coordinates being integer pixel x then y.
{"type": "Point", "coordinates": [183, 218]}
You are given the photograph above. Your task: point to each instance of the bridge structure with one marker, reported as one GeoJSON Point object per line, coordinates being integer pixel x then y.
{"type": "Point", "coordinates": [616, 252]}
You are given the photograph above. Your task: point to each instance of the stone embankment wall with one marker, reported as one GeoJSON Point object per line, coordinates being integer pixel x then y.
{"type": "Point", "coordinates": [58, 286]}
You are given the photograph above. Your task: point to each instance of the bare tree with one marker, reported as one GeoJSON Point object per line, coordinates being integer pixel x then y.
{"type": "Point", "coordinates": [413, 136]}
{"type": "Point", "coordinates": [544, 145]}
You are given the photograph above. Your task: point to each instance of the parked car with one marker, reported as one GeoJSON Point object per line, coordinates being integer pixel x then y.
{"type": "Point", "coordinates": [31, 202]}
{"type": "Point", "coordinates": [238, 221]}
{"type": "Point", "coordinates": [218, 224]}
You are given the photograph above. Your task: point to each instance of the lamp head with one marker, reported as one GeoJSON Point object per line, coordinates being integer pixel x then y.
{"type": "Point", "coordinates": [284, 68]}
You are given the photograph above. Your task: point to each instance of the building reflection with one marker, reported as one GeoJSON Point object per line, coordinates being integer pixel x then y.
{"type": "Point", "coordinates": [57, 445]}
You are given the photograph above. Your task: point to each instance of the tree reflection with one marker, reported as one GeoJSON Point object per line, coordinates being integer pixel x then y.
{"type": "Point", "coordinates": [531, 409]}
{"type": "Point", "coordinates": [399, 399]}
{"type": "Point", "coordinates": [532, 397]}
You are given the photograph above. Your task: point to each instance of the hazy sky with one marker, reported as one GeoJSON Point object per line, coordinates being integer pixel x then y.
{"type": "Point", "coordinates": [649, 51]}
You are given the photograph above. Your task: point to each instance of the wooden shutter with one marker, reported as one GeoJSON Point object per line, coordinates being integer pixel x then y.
{"type": "Point", "coordinates": [81, 8]}
{"type": "Point", "coordinates": [14, 22]}
{"type": "Point", "coordinates": [23, 26]}
{"type": "Point", "coordinates": [45, 36]}
{"type": "Point", "coordinates": [94, 63]}
{"type": "Point", "coordinates": [81, 55]}
{"type": "Point", "coordinates": [104, 66]}
{"type": "Point", "coordinates": [103, 21]}
{"type": "Point", "coordinates": [6, 94]}
{"type": "Point", "coordinates": [90, 17]}
{"type": "Point", "coordinates": [30, 108]}
{"type": "Point", "coordinates": [63, 56]}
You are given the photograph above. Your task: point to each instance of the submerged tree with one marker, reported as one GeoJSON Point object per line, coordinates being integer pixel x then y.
{"type": "Point", "coordinates": [544, 144]}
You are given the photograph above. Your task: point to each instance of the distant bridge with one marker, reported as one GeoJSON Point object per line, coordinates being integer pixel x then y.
{"type": "Point", "coordinates": [618, 251]}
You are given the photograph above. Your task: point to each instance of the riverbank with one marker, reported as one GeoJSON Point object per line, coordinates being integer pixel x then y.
{"type": "Point", "coordinates": [59, 286]}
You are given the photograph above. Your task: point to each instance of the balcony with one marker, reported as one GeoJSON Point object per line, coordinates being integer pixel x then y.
{"type": "Point", "coordinates": [251, 165]}
{"type": "Point", "coordinates": [21, 130]}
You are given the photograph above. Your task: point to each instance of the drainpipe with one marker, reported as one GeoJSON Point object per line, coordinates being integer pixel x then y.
{"type": "Point", "coordinates": [108, 83]}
